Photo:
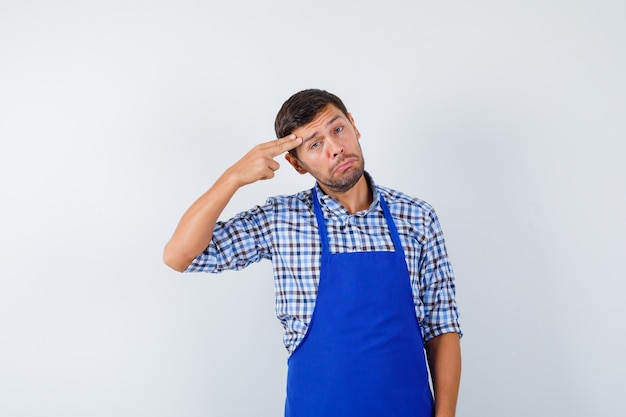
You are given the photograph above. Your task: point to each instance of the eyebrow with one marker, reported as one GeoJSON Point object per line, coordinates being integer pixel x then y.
{"type": "Point", "coordinates": [316, 133]}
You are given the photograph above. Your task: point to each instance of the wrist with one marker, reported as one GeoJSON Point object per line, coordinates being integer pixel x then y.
{"type": "Point", "coordinates": [230, 180]}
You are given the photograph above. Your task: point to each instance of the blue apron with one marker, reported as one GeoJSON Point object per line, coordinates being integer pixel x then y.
{"type": "Point", "coordinates": [363, 353]}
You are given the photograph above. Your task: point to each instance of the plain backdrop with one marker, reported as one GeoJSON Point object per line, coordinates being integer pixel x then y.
{"type": "Point", "coordinates": [507, 116]}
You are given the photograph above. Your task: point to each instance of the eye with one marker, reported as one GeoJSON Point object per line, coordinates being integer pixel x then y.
{"type": "Point", "coordinates": [339, 129]}
{"type": "Point", "coordinates": [315, 145]}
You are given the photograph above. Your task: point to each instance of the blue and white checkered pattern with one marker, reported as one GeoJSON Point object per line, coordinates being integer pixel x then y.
{"type": "Point", "coordinates": [284, 230]}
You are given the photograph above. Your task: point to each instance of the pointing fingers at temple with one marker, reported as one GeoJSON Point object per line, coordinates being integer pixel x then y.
{"type": "Point", "coordinates": [258, 163]}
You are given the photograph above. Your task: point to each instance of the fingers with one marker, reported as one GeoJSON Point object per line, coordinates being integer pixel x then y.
{"type": "Point", "coordinates": [273, 165]}
{"type": "Point", "coordinates": [279, 146]}
{"type": "Point", "coordinates": [259, 163]}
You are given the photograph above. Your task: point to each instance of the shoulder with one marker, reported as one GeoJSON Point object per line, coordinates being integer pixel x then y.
{"type": "Point", "coordinates": [402, 203]}
{"type": "Point", "coordinates": [300, 202]}
{"type": "Point", "coordinates": [414, 215]}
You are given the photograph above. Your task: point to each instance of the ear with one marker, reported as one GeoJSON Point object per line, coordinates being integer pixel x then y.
{"type": "Point", "coordinates": [295, 163]}
{"type": "Point", "coordinates": [356, 130]}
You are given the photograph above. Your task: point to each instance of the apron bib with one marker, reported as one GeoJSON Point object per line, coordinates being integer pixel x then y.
{"type": "Point", "coordinates": [363, 353]}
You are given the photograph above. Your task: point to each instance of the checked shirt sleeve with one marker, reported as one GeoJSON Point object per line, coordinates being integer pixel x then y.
{"type": "Point", "coordinates": [437, 283]}
{"type": "Point", "coordinates": [236, 243]}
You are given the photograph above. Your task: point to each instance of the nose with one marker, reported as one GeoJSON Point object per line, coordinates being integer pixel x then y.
{"type": "Point", "coordinates": [335, 148]}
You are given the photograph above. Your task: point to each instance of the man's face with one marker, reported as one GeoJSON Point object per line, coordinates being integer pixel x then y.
{"type": "Point", "coordinates": [330, 150]}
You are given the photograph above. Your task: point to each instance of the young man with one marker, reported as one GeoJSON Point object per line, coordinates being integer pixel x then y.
{"type": "Point", "coordinates": [363, 284]}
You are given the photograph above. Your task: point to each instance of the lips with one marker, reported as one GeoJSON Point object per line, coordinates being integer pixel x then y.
{"type": "Point", "coordinates": [344, 165]}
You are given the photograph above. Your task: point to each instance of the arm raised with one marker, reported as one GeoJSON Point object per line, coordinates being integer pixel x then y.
{"type": "Point", "coordinates": [195, 229]}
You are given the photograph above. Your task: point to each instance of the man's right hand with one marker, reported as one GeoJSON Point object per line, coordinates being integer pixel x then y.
{"type": "Point", "coordinates": [258, 163]}
{"type": "Point", "coordinates": [195, 230]}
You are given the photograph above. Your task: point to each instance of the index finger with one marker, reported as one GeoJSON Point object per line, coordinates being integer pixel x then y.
{"type": "Point", "coordinates": [285, 144]}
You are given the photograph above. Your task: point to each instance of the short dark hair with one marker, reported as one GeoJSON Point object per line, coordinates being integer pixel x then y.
{"type": "Point", "coordinates": [302, 107]}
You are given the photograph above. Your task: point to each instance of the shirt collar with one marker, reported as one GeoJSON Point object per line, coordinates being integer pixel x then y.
{"type": "Point", "coordinates": [331, 205]}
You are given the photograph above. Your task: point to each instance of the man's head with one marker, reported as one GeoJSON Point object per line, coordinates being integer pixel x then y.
{"type": "Point", "coordinates": [330, 149]}
{"type": "Point", "coordinates": [301, 108]}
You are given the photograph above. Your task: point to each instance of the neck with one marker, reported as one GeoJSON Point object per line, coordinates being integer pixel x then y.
{"type": "Point", "coordinates": [357, 198]}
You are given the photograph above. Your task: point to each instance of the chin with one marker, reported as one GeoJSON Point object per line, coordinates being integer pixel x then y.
{"type": "Point", "coordinates": [349, 180]}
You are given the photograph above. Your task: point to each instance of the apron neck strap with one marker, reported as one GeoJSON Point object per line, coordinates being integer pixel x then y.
{"type": "Point", "coordinates": [390, 223]}
{"type": "Point", "coordinates": [321, 224]}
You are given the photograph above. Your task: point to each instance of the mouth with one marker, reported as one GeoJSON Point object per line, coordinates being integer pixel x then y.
{"type": "Point", "coordinates": [344, 165]}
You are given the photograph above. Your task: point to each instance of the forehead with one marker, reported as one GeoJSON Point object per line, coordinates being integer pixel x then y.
{"type": "Point", "coordinates": [326, 115]}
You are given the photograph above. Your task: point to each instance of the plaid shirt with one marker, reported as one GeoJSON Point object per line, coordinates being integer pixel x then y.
{"type": "Point", "coordinates": [284, 230]}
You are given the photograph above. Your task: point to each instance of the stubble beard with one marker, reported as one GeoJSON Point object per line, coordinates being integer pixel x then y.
{"type": "Point", "coordinates": [346, 181]}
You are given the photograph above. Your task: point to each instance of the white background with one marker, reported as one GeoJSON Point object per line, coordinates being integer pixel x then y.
{"type": "Point", "coordinates": [507, 116]}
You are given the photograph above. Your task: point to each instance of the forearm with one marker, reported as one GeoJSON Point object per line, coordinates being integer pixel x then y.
{"type": "Point", "coordinates": [444, 359]}
{"type": "Point", "coordinates": [195, 229]}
